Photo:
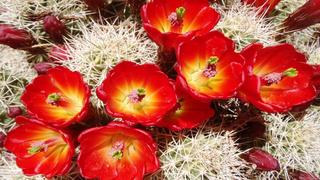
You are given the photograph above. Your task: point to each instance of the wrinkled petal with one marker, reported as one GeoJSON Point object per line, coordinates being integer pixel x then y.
{"type": "Point", "coordinates": [72, 106]}
{"type": "Point", "coordinates": [128, 77]}
{"type": "Point", "coordinates": [54, 159]}
{"type": "Point", "coordinates": [96, 159]}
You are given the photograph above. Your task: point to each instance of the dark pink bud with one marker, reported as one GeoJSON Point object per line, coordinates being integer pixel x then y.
{"type": "Point", "coordinates": [95, 4]}
{"type": "Point", "coordinates": [42, 68]}
{"type": "Point", "coordinates": [316, 77]}
{"type": "Point", "coordinates": [15, 38]}
{"type": "Point", "coordinates": [58, 53]}
{"type": "Point", "coordinates": [54, 27]}
{"type": "Point", "coordinates": [307, 15]}
{"type": "Point", "coordinates": [2, 138]}
{"type": "Point", "coordinates": [262, 159]}
{"type": "Point", "coordinates": [14, 112]}
{"type": "Point", "coordinates": [299, 175]}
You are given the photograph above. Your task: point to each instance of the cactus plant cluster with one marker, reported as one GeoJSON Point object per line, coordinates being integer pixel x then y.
{"type": "Point", "coordinates": [160, 89]}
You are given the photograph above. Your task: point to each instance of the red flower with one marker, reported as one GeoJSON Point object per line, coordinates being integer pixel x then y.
{"type": "Point", "coordinates": [265, 6]}
{"type": "Point", "coordinates": [54, 27]}
{"type": "Point", "coordinates": [188, 112]}
{"type": "Point", "coordinates": [118, 152]}
{"type": "Point", "coordinates": [305, 16]}
{"type": "Point", "coordinates": [15, 38]}
{"type": "Point", "coordinates": [40, 149]}
{"type": "Point", "coordinates": [209, 68]}
{"type": "Point", "coordinates": [58, 97]}
{"type": "Point", "coordinates": [137, 93]}
{"type": "Point", "coordinates": [278, 78]}
{"type": "Point", "coordinates": [169, 22]}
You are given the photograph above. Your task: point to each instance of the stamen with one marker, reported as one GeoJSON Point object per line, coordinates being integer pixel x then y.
{"type": "Point", "coordinates": [176, 18]}
{"type": "Point", "coordinates": [272, 78]}
{"type": "Point", "coordinates": [117, 150]}
{"type": "Point", "coordinates": [275, 77]}
{"type": "Point", "coordinates": [211, 69]}
{"type": "Point", "coordinates": [137, 96]}
{"type": "Point", "coordinates": [37, 147]}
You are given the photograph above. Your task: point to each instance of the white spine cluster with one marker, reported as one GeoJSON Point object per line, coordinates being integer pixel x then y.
{"type": "Point", "coordinates": [9, 169]}
{"type": "Point", "coordinates": [202, 156]}
{"type": "Point", "coordinates": [294, 143]}
{"type": "Point", "coordinates": [101, 47]}
{"type": "Point", "coordinates": [15, 73]}
{"type": "Point", "coordinates": [244, 25]}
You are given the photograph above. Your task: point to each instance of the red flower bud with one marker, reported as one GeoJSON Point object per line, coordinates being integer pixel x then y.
{"type": "Point", "coordinates": [299, 175]}
{"type": "Point", "coordinates": [316, 77]}
{"type": "Point", "coordinates": [58, 53]}
{"type": "Point", "coordinates": [54, 27]}
{"type": "Point", "coordinates": [262, 159]}
{"type": "Point", "coordinates": [15, 38]}
{"type": "Point", "coordinates": [14, 112]}
{"type": "Point", "coordinates": [95, 4]}
{"type": "Point", "coordinates": [307, 15]}
{"type": "Point", "coordinates": [42, 68]}
{"type": "Point", "coordinates": [2, 138]}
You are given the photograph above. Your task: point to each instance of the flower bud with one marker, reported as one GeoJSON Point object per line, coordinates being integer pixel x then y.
{"type": "Point", "coordinates": [14, 112]}
{"type": "Point", "coordinates": [299, 175]}
{"type": "Point", "coordinates": [307, 15]}
{"type": "Point", "coordinates": [58, 53]}
{"type": "Point", "coordinates": [262, 159]}
{"type": "Point", "coordinates": [54, 27]}
{"type": "Point", "coordinates": [42, 68]}
{"type": "Point", "coordinates": [2, 138]}
{"type": "Point", "coordinates": [15, 38]}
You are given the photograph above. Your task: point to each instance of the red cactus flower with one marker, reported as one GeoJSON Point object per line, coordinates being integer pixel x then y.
{"type": "Point", "coordinates": [59, 97]}
{"type": "Point", "coordinates": [278, 78]}
{"type": "Point", "coordinates": [58, 53]}
{"type": "Point", "coordinates": [188, 112]}
{"type": "Point", "coordinates": [307, 15]}
{"type": "Point", "coordinates": [54, 27]}
{"type": "Point", "coordinates": [262, 159]}
{"type": "Point", "coordinates": [209, 68]}
{"type": "Point", "coordinates": [169, 22]}
{"type": "Point", "coordinates": [265, 6]}
{"type": "Point", "coordinates": [117, 152]}
{"type": "Point", "coordinates": [15, 38]}
{"type": "Point", "coordinates": [137, 93]}
{"type": "Point", "coordinates": [40, 149]}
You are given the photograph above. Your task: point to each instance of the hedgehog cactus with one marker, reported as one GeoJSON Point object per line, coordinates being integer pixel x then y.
{"type": "Point", "coordinates": [204, 155]}
{"type": "Point", "coordinates": [201, 76]}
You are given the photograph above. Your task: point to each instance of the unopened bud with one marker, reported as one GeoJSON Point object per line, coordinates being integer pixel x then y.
{"type": "Point", "coordinates": [262, 159]}
{"type": "Point", "coordinates": [54, 27]}
{"type": "Point", "coordinates": [42, 68]}
{"type": "Point", "coordinates": [14, 112]}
